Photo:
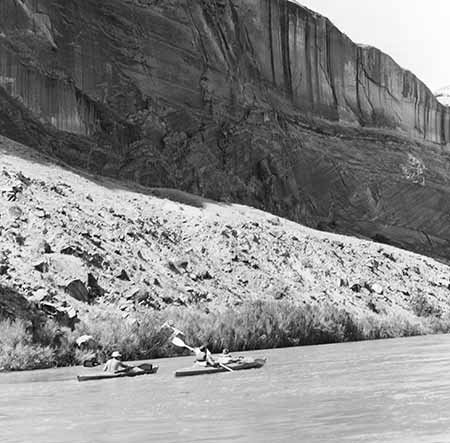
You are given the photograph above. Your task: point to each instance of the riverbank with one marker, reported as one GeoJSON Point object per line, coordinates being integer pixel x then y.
{"type": "Point", "coordinates": [81, 254]}
{"type": "Point", "coordinates": [252, 326]}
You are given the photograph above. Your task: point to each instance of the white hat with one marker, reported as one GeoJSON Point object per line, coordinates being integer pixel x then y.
{"type": "Point", "coordinates": [116, 354]}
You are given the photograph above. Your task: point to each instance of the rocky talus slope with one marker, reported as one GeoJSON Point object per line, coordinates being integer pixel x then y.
{"type": "Point", "coordinates": [258, 102]}
{"type": "Point", "coordinates": [69, 240]}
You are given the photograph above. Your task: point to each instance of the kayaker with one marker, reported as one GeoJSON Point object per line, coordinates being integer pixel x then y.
{"type": "Point", "coordinates": [226, 357]}
{"type": "Point", "coordinates": [203, 356]}
{"type": "Point", "coordinates": [114, 364]}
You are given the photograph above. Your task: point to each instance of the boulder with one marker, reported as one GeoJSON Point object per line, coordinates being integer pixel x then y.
{"type": "Point", "coordinates": [95, 290]}
{"type": "Point", "coordinates": [77, 290]}
{"type": "Point", "coordinates": [39, 296]}
{"type": "Point", "coordinates": [66, 268]}
{"type": "Point", "coordinates": [65, 316]}
{"type": "Point", "coordinates": [85, 340]}
{"type": "Point", "coordinates": [14, 305]}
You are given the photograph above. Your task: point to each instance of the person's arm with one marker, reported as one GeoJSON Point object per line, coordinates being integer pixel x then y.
{"type": "Point", "coordinates": [122, 367]}
{"type": "Point", "coordinates": [209, 358]}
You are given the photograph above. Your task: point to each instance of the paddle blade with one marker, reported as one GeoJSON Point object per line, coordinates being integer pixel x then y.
{"type": "Point", "coordinates": [180, 343]}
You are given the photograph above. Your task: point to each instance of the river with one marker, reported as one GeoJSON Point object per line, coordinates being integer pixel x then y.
{"type": "Point", "coordinates": [381, 391]}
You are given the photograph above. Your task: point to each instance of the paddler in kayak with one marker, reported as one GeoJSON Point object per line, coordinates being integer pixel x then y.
{"type": "Point", "coordinates": [226, 358]}
{"type": "Point", "coordinates": [203, 356]}
{"type": "Point", "coordinates": [115, 365]}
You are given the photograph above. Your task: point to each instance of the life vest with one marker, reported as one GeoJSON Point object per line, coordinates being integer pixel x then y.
{"type": "Point", "coordinates": [200, 355]}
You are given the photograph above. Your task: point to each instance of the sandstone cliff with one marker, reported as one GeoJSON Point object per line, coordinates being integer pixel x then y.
{"type": "Point", "coordinates": [257, 101]}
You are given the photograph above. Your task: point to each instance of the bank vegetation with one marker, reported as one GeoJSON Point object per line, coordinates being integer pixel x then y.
{"type": "Point", "coordinates": [254, 325]}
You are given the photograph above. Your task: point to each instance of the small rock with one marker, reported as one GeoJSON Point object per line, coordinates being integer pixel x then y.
{"type": "Point", "coordinates": [389, 256]}
{"type": "Point", "coordinates": [44, 248]}
{"type": "Point", "coordinates": [167, 299]}
{"type": "Point", "coordinates": [343, 282]}
{"type": "Point", "coordinates": [203, 275]}
{"type": "Point", "coordinates": [76, 251]}
{"type": "Point", "coordinates": [41, 213]}
{"type": "Point", "coordinates": [279, 295]}
{"type": "Point", "coordinates": [96, 260]}
{"type": "Point", "coordinates": [15, 212]}
{"type": "Point", "coordinates": [377, 288]}
{"type": "Point", "coordinates": [171, 265]}
{"type": "Point", "coordinates": [123, 276]}
{"type": "Point", "coordinates": [356, 287]}
{"type": "Point", "coordinates": [41, 266]}
{"type": "Point", "coordinates": [4, 269]}
{"type": "Point", "coordinates": [373, 307]}
{"type": "Point", "coordinates": [20, 239]}
{"type": "Point", "coordinates": [14, 192]}
{"type": "Point", "coordinates": [275, 221]}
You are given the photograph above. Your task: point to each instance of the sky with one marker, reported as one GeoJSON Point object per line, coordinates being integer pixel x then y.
{"type": "Point", "coordinates": [415, 33]}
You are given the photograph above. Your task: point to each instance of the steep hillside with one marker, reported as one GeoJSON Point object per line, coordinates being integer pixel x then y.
{"type": "Point", "coordinates": [70, 240]}
{"type": "Point", "coordinates": [258, 102]}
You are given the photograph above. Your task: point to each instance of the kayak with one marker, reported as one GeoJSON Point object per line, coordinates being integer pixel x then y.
{"type": "Point", "coordinates": [246, 363]}
{"type": "Point", "coordinates": [144, 370]}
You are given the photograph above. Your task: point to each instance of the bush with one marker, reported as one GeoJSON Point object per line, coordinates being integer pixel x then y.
{"type": "Point", "coordinates": [17, 350]}
{"type": "Point", "coordinates": [139, 338]}
{"type": "Point", "coordinates": [423, 306]}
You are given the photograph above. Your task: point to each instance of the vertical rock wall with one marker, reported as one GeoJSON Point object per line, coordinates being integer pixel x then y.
{"type": "Point", "coordinates": [326, 74]}
{"type": "Point", "coordinates": [177, 49]}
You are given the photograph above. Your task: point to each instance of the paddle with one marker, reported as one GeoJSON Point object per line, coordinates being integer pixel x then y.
{"type": "Point", "coordinates": [180, 343]}
{"type": "Point", "coordinates": [175, 330]}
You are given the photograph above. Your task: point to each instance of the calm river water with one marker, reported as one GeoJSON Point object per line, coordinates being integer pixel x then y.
{"type": "Point", "coordinates": [383, 391]}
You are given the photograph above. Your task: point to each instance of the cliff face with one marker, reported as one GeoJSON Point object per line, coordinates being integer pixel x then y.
{"type": "Point", "coordinates": [326, 74]}
{"type": "Point", "coordinates": [258, 101]}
